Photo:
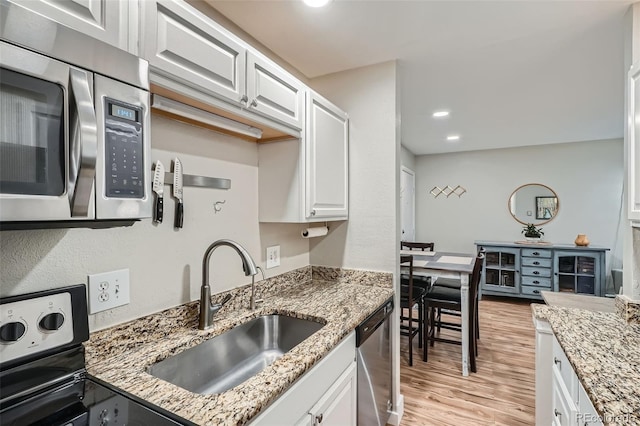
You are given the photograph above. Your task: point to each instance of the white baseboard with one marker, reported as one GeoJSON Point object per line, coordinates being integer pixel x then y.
{"type": "Point", "coordinates": [396, 416]}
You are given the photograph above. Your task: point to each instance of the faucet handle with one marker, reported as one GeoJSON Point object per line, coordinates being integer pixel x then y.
{"type": "Point", "coordinates": [225, 300]}
{"type": "Point", "coordinates": [216, 307]}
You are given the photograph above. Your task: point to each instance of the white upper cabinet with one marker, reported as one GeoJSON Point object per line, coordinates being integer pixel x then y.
{"type": "Point", "coordinates": [307, 180]}
{"type": "Point", "coordinates": [182, 44]}
{"type": "Point", "coordinates": [633, 156]}
{"type": "Point", "coordinates": [273, 92]}
{"type": "Point", "coordinates": [327, 159]}
{"type": "Point", "coordinates": [193, 56]}
{"type": "Point", "coordinates": [107, 20]}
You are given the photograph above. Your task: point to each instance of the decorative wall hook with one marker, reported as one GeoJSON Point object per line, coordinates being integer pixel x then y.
{"type": "Point", "coordinates": [447, 191]}
{"type": "Point", "coordinates": [217, 206]}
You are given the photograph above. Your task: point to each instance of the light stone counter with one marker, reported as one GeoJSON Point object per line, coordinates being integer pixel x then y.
{"type": "Point", "coordinates": [605, 354]}
{"type": "Point", "coordinates": [121, 355]}
{"type": "Point", "coordinates": [580, 301]}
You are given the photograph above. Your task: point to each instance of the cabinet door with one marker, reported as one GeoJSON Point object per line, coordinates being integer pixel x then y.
{"type": "Point", "coordinates": [105, 20]}
{"type": "Point", "coordinates": [577, 272]}
{"type": "Point", "coordinates": [327, 160]}
{"type": "Point", "coordinates": [273, 92]}
{"type": "Point", "coordinates": [338, 407]}
{"type": "Point", "coordinates": [587, 414]}
{"type": "Point", "coordinates": [633, 142]}
{"type": "Point", "coordinates": [184, 45]}
{"type": "Point", "coordinates": [501, 270]}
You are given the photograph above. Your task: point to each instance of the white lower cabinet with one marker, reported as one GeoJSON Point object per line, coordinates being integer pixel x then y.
{"type": "Point", "coordinates": [338, 405]}
{"type": "Point", "coordinates": [325, 395]}
{"type": "Point", "coordinates": [568, 403]}
{"type": "Point", "coordinates": [587, 414]}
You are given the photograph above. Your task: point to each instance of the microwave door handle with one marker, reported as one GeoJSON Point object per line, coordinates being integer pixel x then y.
{"type": "Point", "coordinates": [84, 144]}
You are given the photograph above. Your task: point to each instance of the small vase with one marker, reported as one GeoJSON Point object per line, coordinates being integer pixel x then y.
{"type": "Point", "coordinates": [582, 240]}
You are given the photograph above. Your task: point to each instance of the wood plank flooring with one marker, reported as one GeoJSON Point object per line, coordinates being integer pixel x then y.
{"type": "Point", "coordinates": [502, 392]}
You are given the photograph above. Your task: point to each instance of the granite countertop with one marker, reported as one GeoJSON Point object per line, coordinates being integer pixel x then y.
{"type": "Point", "coordinates": [580, 301]}
{"type": "Point", "coordinates": [121, 355]}
{"type": "Point", "coordinates": [605, 354]}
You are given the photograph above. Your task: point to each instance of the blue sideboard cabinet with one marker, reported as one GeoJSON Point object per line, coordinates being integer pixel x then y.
{"type": "Point", "coordinates": [524, 270]}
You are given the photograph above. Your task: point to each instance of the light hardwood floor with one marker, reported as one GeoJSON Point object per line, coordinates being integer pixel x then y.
{"type": "Point", "coordinates": [502, 392]}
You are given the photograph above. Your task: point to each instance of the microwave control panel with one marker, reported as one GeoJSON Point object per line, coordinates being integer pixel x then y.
{"type": "Point", "coordinates": [124, 166]}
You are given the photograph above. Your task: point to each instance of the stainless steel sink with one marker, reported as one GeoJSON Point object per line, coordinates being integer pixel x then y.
{"type": "Point", "coordinates": [231, 358]}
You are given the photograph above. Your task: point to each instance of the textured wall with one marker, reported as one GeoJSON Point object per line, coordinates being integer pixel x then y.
{"type": "Point", "coordinates": [367, 240]}
{"type": "Point", "coordinates": [165, 264]}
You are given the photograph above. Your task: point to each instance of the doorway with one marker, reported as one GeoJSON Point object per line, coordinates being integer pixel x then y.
{"type": "Point", "coordinates": [408, 204]}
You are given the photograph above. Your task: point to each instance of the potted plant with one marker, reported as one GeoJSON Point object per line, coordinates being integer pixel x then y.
{"type": "Point", "coordinates": [531, 232]}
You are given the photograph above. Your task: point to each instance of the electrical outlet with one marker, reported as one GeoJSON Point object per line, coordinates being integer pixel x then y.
{"type": "Point", "coordinates": [108, 290]}
{"type": "Point", "coordinates": [273, 256]}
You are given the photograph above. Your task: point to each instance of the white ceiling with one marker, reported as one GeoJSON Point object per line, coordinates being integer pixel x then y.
{"type": "Point", "coordinates": [512, 73]}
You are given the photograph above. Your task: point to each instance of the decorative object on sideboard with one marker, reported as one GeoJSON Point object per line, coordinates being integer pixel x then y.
{"type": "Point", "coordinates": [532, 233]}
{"type": "Point", "coordinates": [447, 190]}
{"type": "Point", "coordinates": [582, 240]}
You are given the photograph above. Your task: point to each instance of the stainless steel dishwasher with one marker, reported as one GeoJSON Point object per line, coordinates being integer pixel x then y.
{"type": "Point", "coordinates": [374, 367]}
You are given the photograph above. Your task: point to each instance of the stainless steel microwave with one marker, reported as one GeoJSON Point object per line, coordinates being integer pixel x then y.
{"type": "Point", "coordinates": [74, 126]}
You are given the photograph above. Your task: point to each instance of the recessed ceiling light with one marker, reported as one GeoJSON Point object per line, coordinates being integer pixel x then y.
{"type": "Point", "coordinates": [316, 3]}
{"type": "Point", "coordinates": [453, 138]}
{"type": "Point", "coordinates": [440, 114]}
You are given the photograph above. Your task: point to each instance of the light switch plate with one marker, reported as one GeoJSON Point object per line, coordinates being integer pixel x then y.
{"type": "Point", "coordinates": [108, 290]}
{"type": "Point", "coordinates": [273, 256]}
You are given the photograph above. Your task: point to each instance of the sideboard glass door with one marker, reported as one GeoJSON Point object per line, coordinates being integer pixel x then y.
{"type": "Point", "coordinates": [576, 272]}
{"type": "Point", "coordinates": [501, 270]}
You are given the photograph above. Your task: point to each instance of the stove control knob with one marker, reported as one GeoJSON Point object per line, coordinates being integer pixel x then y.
{"type": "Point", "coordinates": [12, 332]}
{"type": "Point", "coordinates": [51, 322]}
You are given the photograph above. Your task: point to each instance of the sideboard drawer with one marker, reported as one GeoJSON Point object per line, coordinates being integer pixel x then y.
{"type": "Point", "coordinates": [531, 291]}
{"type": "Point", "coordinates": [535, 281]}
{"type": "Point", "coordinates": [536, 253]}
{"type": "Point", "coordinates": [534, 261]}
{"type": "Point", "coordinates": [536, 272]}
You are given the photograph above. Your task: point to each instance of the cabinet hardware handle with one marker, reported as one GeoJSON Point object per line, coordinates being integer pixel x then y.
{"type": "Point", "coordinates": [556, 412]}
{"type": "Point", "coordinates": [535, 253]}
{"type": "Point", "coordinates": [313, 212]}
{"type": "Point", "coordinates": [254, 103]}
{"type": "Point", "coordinates": [244, 99]}
{"type": "Point", "coordinates": [536, 291]}
{"type": "Point", "coordinates": [536, 282]}
{"type": "Point", "coordinates": [556, 361]}
{"type": "Point", "coordinates": [319, 419]}
{"type": "Point", "coordinates": [536, 273]}
{"type": "Point", "coordinates": [536, 263]}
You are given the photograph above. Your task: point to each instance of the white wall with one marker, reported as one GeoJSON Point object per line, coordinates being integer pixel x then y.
{"type": "Point", "coordinates": [370, 239]}
{"type": "Point", "coordinates": [407, 158]}
{"type": "Point", "coordinates": [367, 240]}
{"type": "Point", "coordinates": [587, 176]}
{"type": "Point", "coordinates": [165, 264]}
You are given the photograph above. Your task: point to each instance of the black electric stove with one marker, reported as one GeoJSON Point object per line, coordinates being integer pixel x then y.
{"type": "Point", "coordinates": [43, 380]}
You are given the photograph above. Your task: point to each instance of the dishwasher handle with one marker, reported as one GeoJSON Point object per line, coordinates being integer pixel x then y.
{"type": "Point", "coordinates": [373, 321]}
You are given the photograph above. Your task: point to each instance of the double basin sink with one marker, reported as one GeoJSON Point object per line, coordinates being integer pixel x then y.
{"type": "Point", "coordinates": [231, 358]}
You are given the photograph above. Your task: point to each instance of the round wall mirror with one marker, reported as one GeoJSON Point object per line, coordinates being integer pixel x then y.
{"type": "Point", "coordinates": [533, 203]}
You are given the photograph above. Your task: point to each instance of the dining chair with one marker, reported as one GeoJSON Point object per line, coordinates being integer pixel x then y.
{"type": "Point", "coordinates": [449, 298]}
{"type": "Point", "coordinates": [411, 296]}
{"type": "Point", "coordinates": [418, 280]}
{"type": "Point", "coordinates": [411, 245]}
{"type": "Point", "coordinates": [455, 283]}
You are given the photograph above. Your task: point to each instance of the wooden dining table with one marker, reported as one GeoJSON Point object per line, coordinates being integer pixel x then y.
{"type": "Point", "coordinates": [449, 265]}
